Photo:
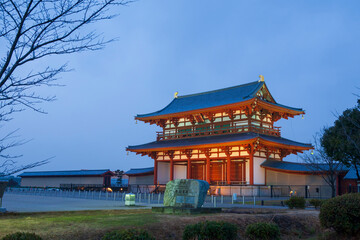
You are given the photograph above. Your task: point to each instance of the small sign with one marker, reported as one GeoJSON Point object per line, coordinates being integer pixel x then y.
{"type": "Point", "coordinates": [130, 199]}
{"type": "Point", "coordinates": [234, 196]}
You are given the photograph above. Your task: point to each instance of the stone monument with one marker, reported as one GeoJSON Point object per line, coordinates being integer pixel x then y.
{"type": "Point", "coordinates": [185, 196]}
{"type": "Point", "coordinates": [185, 193]}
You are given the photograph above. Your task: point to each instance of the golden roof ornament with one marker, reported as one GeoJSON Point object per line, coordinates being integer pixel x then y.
{"type": "Point", "coordinates": [261, 78]}
{"type": "Point", "coordinates": [176, 94]}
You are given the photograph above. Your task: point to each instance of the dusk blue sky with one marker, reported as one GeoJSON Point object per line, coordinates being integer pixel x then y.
{"type": "Point", "coordinates": [308, 52]}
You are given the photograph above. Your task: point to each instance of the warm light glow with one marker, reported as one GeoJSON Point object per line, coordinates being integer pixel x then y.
{"type": "Point", "coordinates": [109, 189]}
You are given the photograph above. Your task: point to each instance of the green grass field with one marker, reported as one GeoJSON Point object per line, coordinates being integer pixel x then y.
{"type": "Point", "coordinates": [92, 225]}
{"type": "Point", "coordinates": [66, 225]}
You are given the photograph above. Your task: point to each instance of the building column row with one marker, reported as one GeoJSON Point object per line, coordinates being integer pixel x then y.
{"type": "Point", "coordinates": [207, 172]}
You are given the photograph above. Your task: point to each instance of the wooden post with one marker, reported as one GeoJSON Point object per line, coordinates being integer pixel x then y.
{"type": "Point", "coordinates": [171, 168]}
{"type": "Point", "coordinates": [208, 168]}
{"type": "Point", "coordinates": [251, 167]}
{"type": "Point", "coordinates": [153, 155]}
{"type": "Point", "coordinates": [228, 170]}
{"type": "Point", "coordinates": [171, 156]}
{"type": "Point", "coordinates": [188, 176]}
{"type": "Point", "coordinates": [155, 172]}
{"type": "Point", "coordinates": [188, 154]}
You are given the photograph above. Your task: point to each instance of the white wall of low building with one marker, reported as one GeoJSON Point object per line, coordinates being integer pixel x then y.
{"type": "Point", "coordinates": [56, 181]}
{"type": "Point", "coordinates": [163, 172]}
{"type": "Point", "coordinates": [141, 180]}
{"type": "Point", "coordinates": [180, 171]}
{"type": "Point", "coordinates": [259, 172]}
{"type": "Point", "coordinates": [282, 178]}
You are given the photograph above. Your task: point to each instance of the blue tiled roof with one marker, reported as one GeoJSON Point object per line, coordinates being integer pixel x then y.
{"type": "Point", "coordinates": [134, 171]}
{"type": "Point", "coordinates": [215, 98]}
{"type": "Point", "coordinates": [298, 167]}
{"type": "Point", "coordinates": [64, 173]}
{"type": "Point", "coordinates": [351, 174]}
{"type": "Point", "coordinates": [188, 142]}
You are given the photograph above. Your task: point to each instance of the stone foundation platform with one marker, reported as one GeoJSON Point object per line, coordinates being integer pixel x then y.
{"type": "Point", "coordinates": [179, 210]}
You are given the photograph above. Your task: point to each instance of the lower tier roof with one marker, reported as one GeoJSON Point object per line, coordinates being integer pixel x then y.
{"type": "Point", "coordinates": [219, 140]}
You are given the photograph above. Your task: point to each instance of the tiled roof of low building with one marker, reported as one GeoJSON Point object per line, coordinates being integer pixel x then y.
{"type": "Point", "coordinates": [299, 167]}
{"type": "Point", "coordinates": [135, 171]}
{"type": "Point", "coordinates": [65, 173]}
{"type": "Point", "coordinates": [351, 174]}
{"type": "Point", "coordinates": [210, 99]}
{"type": "Point", "coordinates": [188, 142]}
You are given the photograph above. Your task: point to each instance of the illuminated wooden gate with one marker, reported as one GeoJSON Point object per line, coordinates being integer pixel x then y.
{"type": "Point", "coordinates": [238, 172]}
{"type": "Point", "coordinates": [198, 171]}
{"type": "Point", "coordinates": [217, 172]}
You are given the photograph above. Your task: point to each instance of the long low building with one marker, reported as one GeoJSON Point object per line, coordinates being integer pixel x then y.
{"type": "Point", "coordinates": [141, 179]}
{"type": "Point", "coordinates": [67, 179]}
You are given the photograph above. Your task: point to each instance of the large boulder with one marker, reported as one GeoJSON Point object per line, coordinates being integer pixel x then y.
{"type": "Point", "coordinates": [189, 193]}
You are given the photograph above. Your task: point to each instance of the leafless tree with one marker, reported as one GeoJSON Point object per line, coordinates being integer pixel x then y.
{"type": "Point", "coordinates": [320, 163]}
{"type": "Point", "coordinates": [32, 31]}
{"type": "Point", "coordinates": [8, 164]}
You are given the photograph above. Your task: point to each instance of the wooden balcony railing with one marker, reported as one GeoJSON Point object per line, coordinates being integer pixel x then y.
{"type": "Point", "coordinates": [218, 131]}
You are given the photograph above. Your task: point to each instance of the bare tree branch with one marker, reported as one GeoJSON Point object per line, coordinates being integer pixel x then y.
{"type": "Point", "coordinates": [321, 164]}
{"type": "Point", "coordinates": [32, 30]}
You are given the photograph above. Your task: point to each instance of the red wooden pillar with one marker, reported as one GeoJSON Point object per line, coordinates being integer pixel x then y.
{"type": "Point", "coordinates": [171, 168]}
{"type": "Point", "coordinates": [188, 154]}
{"type": "Point", "coordinates": [171, 156]}
{"type": "Point", "coordinates": [208, 168]}
{"type": "Point", "coordinates": [188, 176]}
{"type": "Point", "coordinates": [155, 172]}
{"type": "Point", "coordinates": [251, 168]}
{"type": "Point", "coordinates": [228, 170]}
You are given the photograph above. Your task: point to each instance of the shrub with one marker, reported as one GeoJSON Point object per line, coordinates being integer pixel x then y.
{"type": "Point", "coordinates": [128, 234]}
{"type": "Point", "coordinates": [266, 231]}
{"type": "Point", "coordinates": [210, 230]}
{"type": "Point", "coordinates": [295, 202]}
{"type": "Point", "coordinates": [342, 213]}
{"type": "Point", "coordinates": [316, 202]}
{"type": "Point", "coordinates": [22, 236]}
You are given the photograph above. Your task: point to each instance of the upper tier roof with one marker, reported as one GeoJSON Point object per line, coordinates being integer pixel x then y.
{"type": "Point", "coordinates": [66, 173]}
{"type": "Point", "coordinates": [221, 97]}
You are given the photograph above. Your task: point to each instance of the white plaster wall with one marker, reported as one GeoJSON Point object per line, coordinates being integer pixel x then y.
{"type": "Point", "coordinates": [163, 172]}
{"type": "Point", "coordinates": [259, 172]}
{"type": "Point", "coordinates": [281, 178]}
{"type": "Point", "coordinates": [146, 180]}
{"type": "Point", "coordinates": [179, 172]}
{"type": "Point", "coordinates": [56, 181]}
